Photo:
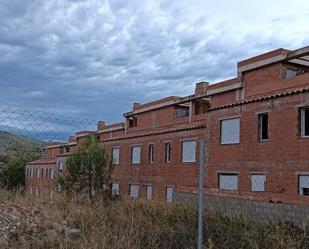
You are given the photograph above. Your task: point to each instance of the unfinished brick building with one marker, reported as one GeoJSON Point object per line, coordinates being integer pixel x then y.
{"type": "Point", "coordinates": [256, 127]}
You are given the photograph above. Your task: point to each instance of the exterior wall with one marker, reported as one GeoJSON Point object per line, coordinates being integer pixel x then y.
{"type": "Point", "coordinates": [157, 118]}
{"type": "Point", "coordinates": [52, 152]}
{"type": "Point", "coordinates": [261, 78]}
{"type": "Point", "coordinates": [257, 211]}
{"type": "Point", "coordinates": [61, 160]}
{"type": "Point", "coordinates": [159, 174]}
{"type": "Point", "coordinates": [263, 56]}
{"type": "Point", "coordinates": [43, 185]}
{"type": "Point", "coordinates": [155, 102]}
{"type": "Point", "coordinates": [223, 99]}
{"type": "Point", "coordinates": [109, 135]}
{"type": "Point", "coordinates": [270, 79]}
{"type": "Point", "coordinates": [281, 157]}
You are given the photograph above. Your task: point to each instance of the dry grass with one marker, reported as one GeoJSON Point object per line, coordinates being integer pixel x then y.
{"type": "Point", "coordinates": [144, 225]}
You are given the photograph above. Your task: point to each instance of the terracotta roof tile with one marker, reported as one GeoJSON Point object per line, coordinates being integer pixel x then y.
{"type": "Point", "coordinates": [158, 131]}
{"type": "Point", "coordinates": [266, 97]}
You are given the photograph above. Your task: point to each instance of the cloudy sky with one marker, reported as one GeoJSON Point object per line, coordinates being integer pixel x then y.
{"type": "Point", "coordinates": [95, 58]}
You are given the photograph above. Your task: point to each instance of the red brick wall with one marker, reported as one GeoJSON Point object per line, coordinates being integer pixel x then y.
{"type": "Point", "coordinates": [43, 184]}
{"type": "Point", "coordinates": [223, 99]}
{"type": "Point", "coordinates": [159, 174]}
{"type": "Point", "coordinates": [53, 152]}
{"type": "Point", "coordinates": [281, 157]}
{"type": "Point", "coordinates": [270, 79]}
{"type": "Point", "coordinates": [157, 118]}
{"type": "Point", "coordinates": [264, 56]}
{"type": "Point", "coordinates": [155, 102]}
{"type": "Point", "coordinates": [111, 134]}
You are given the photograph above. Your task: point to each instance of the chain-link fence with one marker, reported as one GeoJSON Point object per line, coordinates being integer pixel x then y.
{"type": "Point", "coordinates": [218, 222]}
{"type": "Point", "coordinates": [25, 134]}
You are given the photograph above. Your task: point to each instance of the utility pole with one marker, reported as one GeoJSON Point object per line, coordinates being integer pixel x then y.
{"type": "Point", "coordinates": [202, 168]}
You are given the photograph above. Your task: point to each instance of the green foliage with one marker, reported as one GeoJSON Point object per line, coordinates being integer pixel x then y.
{"type": "Point", "coordinates": [13, 166]}
{"type": "Point", "coordinates": [89, 171]}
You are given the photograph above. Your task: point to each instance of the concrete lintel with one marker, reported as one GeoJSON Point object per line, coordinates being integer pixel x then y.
{"type": "Point", "coordinates": [166, 104]}
{"type": "Point", "coordinates": [298, 52]}
{"type": "Point", "coordinates": [83, 135]}
{"type": "Point", "coordinates": [224, 89]}
{"type": "Point", "coordinates": [55, 146]}
{"type": "Point", "coordinates": [149, 108]}
{"type": "Point", "coordinates": [262, 63]}
{"type": "Point", "coordinates": [300, 62]}
{"type": "Point", "coordinates": [289, 56]}
{"type": "Point", "coordinates": [116, 128]}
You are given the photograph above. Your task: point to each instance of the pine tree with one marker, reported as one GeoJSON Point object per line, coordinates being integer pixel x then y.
{"type": "Point", "coordinates": [89, 170]}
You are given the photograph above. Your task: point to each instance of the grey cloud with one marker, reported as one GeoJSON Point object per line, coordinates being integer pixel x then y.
{"type": "Point", "coordinates": [95, 58]}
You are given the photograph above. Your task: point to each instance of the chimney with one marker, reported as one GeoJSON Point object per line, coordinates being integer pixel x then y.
{"type": "Point", "coordinates": [201, 87]}
{"type": "Point", "coordinates": [101, 125]}
{"type": "Point", "coordinates": [72, 139]}
{"type": "Point", "coordinates": [135, 104]}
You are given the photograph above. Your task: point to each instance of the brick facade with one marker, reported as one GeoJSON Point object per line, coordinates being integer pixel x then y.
{"type": "Point", "coordinates": [275, 84]}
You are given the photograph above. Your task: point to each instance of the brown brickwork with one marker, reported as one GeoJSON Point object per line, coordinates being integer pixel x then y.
{"type": "Point", "coordinates": [260, 87]}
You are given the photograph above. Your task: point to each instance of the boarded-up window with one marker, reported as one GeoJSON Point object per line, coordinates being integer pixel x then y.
{"type": "Point", "coordinates": [303, 184]}
{"type": "Point", "coordinates": [37, 173]}
{"type": "Point", "coordinates": [228, 181]}
{"type": "Point", "coordinates": [182, 112]}
{"type": "Point", "coordinates": [60, 166]}
{"type": "Point", "coordinates": [304, 121]}
{"type": "Point", "coordinates": [188, 151]}
{"type": "Point", "coordinates": [51, 173]}
{"type": "Point", "coordinates": [134, 190]}
{"type": "Point", "coordinates": [116, 155]}
{"type": "Point", "coordinates": [115, 188]}
{"type": "Point", "coordinates": [136, 154]}
{"type": "Point", "coordinates": [230, 130]}
{"type": "Point", "coordinates": [149, 192]}
{"type": "Point", "coordinates": [258, 182]}
{"type": "Point", "coordinates": [290, 73]}
{"type": "Point", "coordinates": [169, 194]}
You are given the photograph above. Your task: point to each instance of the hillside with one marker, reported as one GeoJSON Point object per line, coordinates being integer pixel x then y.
{"type": "Point", "coordinates": [10, 140]}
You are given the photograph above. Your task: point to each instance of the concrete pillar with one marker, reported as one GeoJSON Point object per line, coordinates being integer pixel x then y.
{"type": "Point", "coordinates": [191, 111]}
{"type": "Point", "coordinates": [126, 124]}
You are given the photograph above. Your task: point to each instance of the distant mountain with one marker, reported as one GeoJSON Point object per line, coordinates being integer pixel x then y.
{"type": "Point", "coordinates": [10, 140]}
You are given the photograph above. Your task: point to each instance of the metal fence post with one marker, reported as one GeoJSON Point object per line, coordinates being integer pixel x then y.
{"type": "Point", "coordinates": [201, 195]}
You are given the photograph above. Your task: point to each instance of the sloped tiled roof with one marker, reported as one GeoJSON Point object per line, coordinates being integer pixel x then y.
{"type": "Point", "coordinates": [265, 97]}
{"type": "Point", "coordinates": [158, 131]}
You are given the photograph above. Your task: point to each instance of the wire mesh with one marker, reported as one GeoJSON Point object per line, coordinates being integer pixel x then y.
{"type": "Point", "coordinates": [226, 222]}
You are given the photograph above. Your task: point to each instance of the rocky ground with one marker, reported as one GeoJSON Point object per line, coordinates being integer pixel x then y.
{"type": "Point", "coordinates": [20, 226]}
{"type": "Point", "coordinates": [34, 223]}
